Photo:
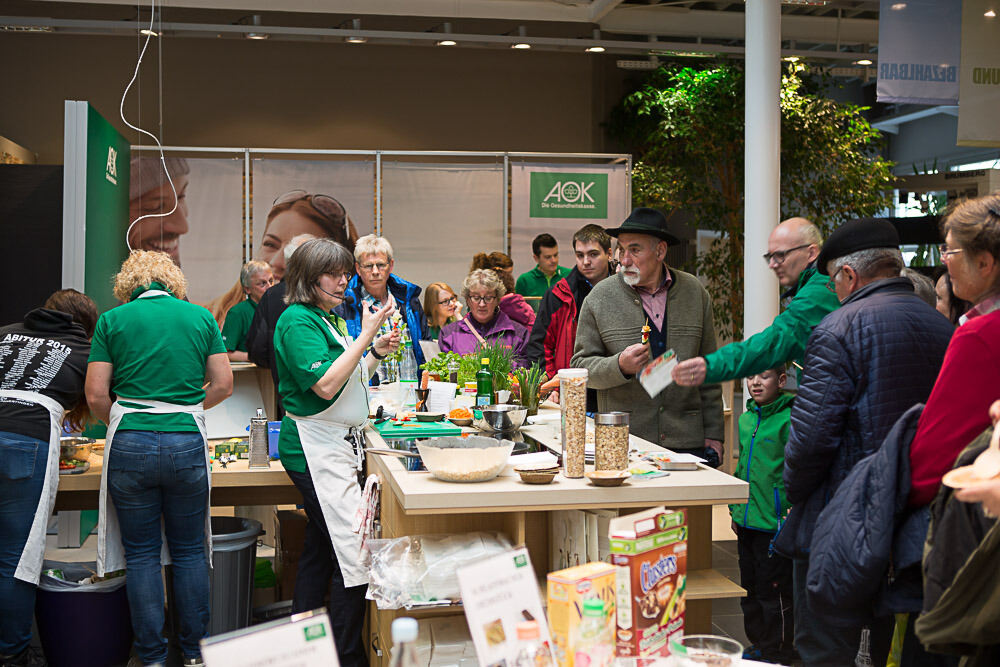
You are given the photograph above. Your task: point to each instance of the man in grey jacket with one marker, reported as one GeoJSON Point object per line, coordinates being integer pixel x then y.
{"type": "Point", "coordinates": [678, 311]}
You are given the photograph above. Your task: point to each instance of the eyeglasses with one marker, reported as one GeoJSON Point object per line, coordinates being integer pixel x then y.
{"type": "Point", "coordinates": [831, 283]}
{"type": "Point", "coordinates": [325, 205]}
{"type": "Point", "coordinates": [946, 253]}
{"type": "Point", "coordinates": [445, 302]}
{"type": "Point", "coordinates": [381, 266]}
{"type": "Point", "coordinates": [778, 256]}
{"type": "Point", "coordinates": [483, 299]}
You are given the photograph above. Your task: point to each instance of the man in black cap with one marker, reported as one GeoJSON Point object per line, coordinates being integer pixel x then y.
{"type": "Point", "coordinates": [609, 340]}
{"type": "Point", "coordinates": [865, 364]}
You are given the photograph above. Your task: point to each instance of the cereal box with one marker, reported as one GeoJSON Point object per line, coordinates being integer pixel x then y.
{"type": "Point", "coordinates": [649, 552]}
{"type": "Point", "coordinates": [567, 590]}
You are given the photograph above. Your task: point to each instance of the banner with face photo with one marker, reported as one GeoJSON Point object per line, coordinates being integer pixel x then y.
{"type": "Point", "coordinates": [919, 43]}
{"type": "Point", "coordinates": [980, 75]}
{"type": "Point", "coordinates": [292, 197]}
{"type": "Point", "coordinates": [559, 200]}
{"type": "Point", "coordinates": [204, 232]}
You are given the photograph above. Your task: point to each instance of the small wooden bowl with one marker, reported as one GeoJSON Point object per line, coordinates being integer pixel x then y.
{"type": "Point", "coordinates": [460, 422]}
{"type": "Point", "coordinates": [535, 475]}
{"type": "Point", "coordinates": [607, 477]}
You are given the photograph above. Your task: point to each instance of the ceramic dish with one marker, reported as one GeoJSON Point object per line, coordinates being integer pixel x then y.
{"type": "Point", "coordinates": [460, 422]}
{"type": "Point", "coordinates": [429, 416]}
{"type": "Point", "coordinates": [607, 477]}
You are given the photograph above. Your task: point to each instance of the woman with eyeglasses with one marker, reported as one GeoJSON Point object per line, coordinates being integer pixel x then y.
{"type": "Point", "coordinates": [256, 278]}
{"type": "Point", "coordinates": [293, 213]}
{"type": "Point", "coordinates": [322, 374]}
{"type": "Point", "coordinates": [485, 320]}
{"type": "Point", "coordinates": [958, 408]}
{"type": "Point", "coordinates": [441, 307]}
{"type": "Point", "coordinates": [512, 304]}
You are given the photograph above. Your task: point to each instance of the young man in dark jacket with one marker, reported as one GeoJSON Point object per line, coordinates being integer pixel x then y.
{"type": "Point", "coordinates": [554, 331]}
{"type": "Point", "coordinates": [866, 363]}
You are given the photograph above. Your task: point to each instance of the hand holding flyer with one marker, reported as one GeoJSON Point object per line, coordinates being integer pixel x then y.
{"type": "Point", "coordinates": [656, 376]}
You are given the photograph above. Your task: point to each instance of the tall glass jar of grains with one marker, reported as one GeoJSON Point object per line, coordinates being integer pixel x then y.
{"type": "Point", "coordinates": [573, 413]}
{"type": "Point", "coordinates": [611, 441]}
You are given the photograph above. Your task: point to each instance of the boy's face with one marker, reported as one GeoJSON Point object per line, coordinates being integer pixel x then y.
{"type": "Point", "coordinates": [765, 387]}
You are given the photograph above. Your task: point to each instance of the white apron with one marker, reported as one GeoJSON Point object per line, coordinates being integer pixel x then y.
{"type": "Point", "coordinates": [110, 552]}
{"type": "Point", "coordinates": [29, 567]}
{"type": "Point", "coordinates": [333, 465]}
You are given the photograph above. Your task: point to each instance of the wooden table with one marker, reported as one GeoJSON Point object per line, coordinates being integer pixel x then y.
{"type": "Point", "coordinates": [415, 503]}
{"type": "Point", "coordinates": [235, 485]}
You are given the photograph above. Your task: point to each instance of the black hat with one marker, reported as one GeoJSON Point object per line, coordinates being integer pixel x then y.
{"type": "Point", "coordinates": [854, 236]}
{"type": "Point", "coordinates": [645, 221]}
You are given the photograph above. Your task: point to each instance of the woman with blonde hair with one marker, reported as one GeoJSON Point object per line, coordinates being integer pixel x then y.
{"type": "Point", "coordinates": [485, 321]}
{"type": "Point", "coordinates": [293, 213]}
{"type": "Point", "coordinates": [513, 304]}
{"type": "Point", "coordinates": [154, 353]}
{"type": "Point", "coordinates": [441, 307]}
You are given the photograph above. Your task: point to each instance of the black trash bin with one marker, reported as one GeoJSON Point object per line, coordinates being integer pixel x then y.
{"type": "Point", "coordinates": [234, 555]}
{"type": "Point", "coordinates": [82, 625]}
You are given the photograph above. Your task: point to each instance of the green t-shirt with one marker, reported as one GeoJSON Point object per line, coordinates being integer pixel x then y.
{"type": "Point", "coordinates": [234, 331]}
{"type": "Point", "coordinates": [304, 349]}
{"type": "Point", "coordinates": [158, 347]}
{"type": "Point", "coordinates": [536, 283]}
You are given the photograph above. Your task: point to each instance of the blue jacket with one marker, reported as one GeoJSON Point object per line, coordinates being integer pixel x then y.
{"type": "Point", "coordinates": [866, 537]}
{"type": "Point", "coordinates": [407, 296]}
{"type": "Point", "coordinates": [866, 364]}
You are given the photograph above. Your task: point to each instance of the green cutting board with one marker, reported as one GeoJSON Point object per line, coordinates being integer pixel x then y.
{"type": "Point", "coordinates": [391, 431]}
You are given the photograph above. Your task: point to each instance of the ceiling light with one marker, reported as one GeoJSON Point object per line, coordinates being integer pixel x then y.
{"type": "Point", "coordinates": [149, 33]}
{"type": "Point", "coordinates": [990, 14]}
{"type": "Point", "coordinates": [356, 39]}
{"type": "Point", "coordinates": [681, 54]}
{"type": "Point", "coordinates": [522, 32]}
{"type": "Point", "coordinates": [809, 3]}
{"type": "Point", "coordinates": [863, 61]}
{"type": "Point", "coordinates": [595, 49]}
{"type": "Point", "coordinates": [791, 59]}
{"type": "Point", "coordinates": [255, 20]}
{"type": "Point", "coordinates": [446, 27]}
{"type": "Point", "coordinates": [447, 42]}
{"type": "Point", "coordinates": [896, 6]}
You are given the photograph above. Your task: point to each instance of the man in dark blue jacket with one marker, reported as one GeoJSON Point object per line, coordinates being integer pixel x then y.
{"type": "Point", "coordinates": [372, 286]}
{"type": "Point", "coordinates": [865, 365]}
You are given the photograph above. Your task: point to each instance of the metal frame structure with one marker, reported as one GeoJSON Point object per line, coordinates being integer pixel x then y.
{"type": "Point", "coordinates": [378, 155]}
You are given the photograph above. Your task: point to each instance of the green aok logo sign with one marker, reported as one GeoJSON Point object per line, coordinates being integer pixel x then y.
{"type": "Point", "coordinates": [568, 195]}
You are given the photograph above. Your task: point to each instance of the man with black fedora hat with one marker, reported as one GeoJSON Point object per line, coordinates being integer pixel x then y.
{"type": "Point", "coordinates": [678, 311]}
{"type": "Point", "coordinates": [866, 364]}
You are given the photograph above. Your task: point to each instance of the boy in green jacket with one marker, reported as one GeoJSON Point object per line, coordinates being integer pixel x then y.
{"type": "Point", "coordinates": [766, 576]}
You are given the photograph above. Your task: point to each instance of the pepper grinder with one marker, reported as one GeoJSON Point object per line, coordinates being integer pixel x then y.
{"type": "Point", "coordinates": [259, 457]}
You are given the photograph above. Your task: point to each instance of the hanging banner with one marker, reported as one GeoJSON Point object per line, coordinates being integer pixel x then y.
{"type": "Point", "coordinates": [980, 75]}
{"type": "Point", "coordinates": [919, 43]}
{"type": "Point", "coordinates": [95, 202]}
{"type": "Point", "coordinates": [559, 200]}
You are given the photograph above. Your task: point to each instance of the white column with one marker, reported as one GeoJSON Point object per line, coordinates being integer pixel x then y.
{"type": "Point", "coordinates": [762, 171]}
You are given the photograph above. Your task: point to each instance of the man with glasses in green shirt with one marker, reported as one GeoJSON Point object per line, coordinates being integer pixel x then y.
{"type": "Point", "coordinates": [792, 249]}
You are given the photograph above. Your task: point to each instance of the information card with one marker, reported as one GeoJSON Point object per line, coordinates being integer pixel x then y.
{"type": "Point", "coordinates": [655, 377]}
{"type": "Point", "coordinates": [304, 640]}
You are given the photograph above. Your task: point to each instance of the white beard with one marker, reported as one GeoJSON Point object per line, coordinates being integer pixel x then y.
{"type": "Point", "coordinates": [631, 278]}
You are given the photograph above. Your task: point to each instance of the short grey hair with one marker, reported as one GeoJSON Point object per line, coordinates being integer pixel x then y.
{"type": "Point", "coordinates": [311, 260]}
{"type": "Point", "coordinates": [870, 263]}
{"type": "Point", "coordinates": [372, 245]}
{"type": "Point", "coordinates": [294, 244]}
{"type": "Point", "coordinates": [252, 268]}
{"type": "Point", "coordinates": [922, 285]}
{"type": "Point", "coordinates": [810, 234]}
{"type": "Point", "coordinates": [483, 278]}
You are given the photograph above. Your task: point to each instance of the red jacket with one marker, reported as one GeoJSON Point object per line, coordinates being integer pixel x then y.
{"type": "Point", "coordinates": [554, 332]}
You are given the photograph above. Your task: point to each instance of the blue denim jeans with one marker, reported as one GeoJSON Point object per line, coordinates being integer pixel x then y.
{"type": "Point", "coordinates": [152, 476]}
{"type": "Point", "coordinates": [22, 473]}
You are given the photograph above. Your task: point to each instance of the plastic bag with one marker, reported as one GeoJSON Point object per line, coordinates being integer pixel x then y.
{"type": "Point", "coordinates": [74, 573]}
{"type": "Point", "coordinates": [422, 568]}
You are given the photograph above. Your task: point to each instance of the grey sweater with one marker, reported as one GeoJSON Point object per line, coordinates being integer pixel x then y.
{"type": "Point", "coordinates": [611, 319]}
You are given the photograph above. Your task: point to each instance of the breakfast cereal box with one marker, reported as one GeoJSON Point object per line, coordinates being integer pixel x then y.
{"type": "Point", "coordinates": [649, 552]}
{"type": "Point", "coordinates": [567, 590]}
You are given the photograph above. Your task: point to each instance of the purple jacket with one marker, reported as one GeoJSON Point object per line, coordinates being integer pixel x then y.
{"type": "Point", "coordinates": [514, 306]}
{"type": "Point", "coordinates": [458, 337]}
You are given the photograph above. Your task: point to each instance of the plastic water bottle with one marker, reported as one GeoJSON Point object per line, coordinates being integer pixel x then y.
{"type": "Point", "coordinates": [593, 644]}
{"type": "Point", "coordinates": [404, 642]}
{"type": "Point", "coordinates": [408, 375]}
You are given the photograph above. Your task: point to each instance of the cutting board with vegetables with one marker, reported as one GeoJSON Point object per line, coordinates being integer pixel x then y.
{"type": "Point", "coordinates": [393, 430]}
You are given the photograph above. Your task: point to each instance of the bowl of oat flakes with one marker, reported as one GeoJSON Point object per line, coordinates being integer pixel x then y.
{"type": "Point", "coordinates": [465, 459]}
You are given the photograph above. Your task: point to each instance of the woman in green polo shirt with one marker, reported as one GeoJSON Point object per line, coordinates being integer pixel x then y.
{"type": "Point", "coordinates": [322, 379]}
{"type": "Point", "coordinates": [255, 279]}
{"type": "Point", "coordinates": [154, 353]}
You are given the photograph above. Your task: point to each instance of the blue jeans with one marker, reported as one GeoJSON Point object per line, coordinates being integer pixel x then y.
{"type": "Point", "coordinates": [154, 475]}
{"type": "Point", "coordinates": [22, 473]}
